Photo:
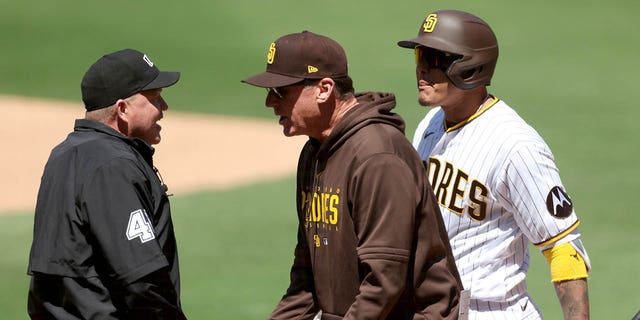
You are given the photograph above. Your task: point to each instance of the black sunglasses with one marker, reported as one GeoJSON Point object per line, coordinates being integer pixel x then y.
{"type": "Point", "coordinates": [435, 59]}
{"type": "Point", "coordinates": [278, 91]}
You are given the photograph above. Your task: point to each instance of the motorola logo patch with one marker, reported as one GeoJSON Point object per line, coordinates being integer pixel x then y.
{"type": "Point", "coordinates": [558, 203]}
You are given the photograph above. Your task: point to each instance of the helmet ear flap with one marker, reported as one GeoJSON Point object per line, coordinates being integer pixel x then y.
{"type": "Point", "coordinates": [462, 77]}
{"type": "Point", "coordinates": [466, 76]}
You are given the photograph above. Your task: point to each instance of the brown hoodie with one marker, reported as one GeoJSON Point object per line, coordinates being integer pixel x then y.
{"type": "Point", "coordinates": [371, 241]}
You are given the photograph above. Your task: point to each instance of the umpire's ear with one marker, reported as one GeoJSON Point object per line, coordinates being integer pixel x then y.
{"type": "Point", "coordinates": [123, 114]}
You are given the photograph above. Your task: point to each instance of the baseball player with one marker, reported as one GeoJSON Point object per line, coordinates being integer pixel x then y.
{"type": "Point", "coordinates": [493, 175]}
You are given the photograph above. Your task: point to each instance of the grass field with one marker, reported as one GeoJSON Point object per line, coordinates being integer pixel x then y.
{"type": "Point", "coordinates": [566, 66]}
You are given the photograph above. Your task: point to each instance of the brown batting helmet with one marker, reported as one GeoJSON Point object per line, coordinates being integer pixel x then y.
{"type": "Point", "coordinates": [463, 34]}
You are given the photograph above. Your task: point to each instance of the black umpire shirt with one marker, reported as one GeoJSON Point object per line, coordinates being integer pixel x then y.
{"type": "Point", "coordinates": [103, 243]}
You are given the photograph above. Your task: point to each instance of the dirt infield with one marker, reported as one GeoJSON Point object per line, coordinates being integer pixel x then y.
{"type": "Point", "coordinates": [197, 151]}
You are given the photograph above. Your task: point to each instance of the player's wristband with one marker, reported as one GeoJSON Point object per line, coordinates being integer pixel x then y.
{"type": "Point", "coordinates": [566, 263]}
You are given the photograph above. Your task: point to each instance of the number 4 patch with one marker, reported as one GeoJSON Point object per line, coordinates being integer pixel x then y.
{"type": "Point", "coordinates": [139, 226]}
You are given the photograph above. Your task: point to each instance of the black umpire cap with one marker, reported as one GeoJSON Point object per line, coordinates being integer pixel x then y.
{"type": "Point", "coordinates": [120, 75]}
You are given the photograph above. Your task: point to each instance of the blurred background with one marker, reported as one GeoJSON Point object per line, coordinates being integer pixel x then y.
{"type": "Point", "coordinates": [566, 66]}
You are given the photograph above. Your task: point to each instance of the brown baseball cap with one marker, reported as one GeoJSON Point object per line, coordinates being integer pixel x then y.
{"type": "Point", "coordinates": [298, 56]}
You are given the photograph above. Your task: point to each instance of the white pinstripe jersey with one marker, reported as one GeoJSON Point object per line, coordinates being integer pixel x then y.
{"type": "Point", "coordinates": [499, 190]}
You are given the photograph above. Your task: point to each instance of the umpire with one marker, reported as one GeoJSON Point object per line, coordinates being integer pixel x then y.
{"type": "Point", "coordinates": [103, 243]}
